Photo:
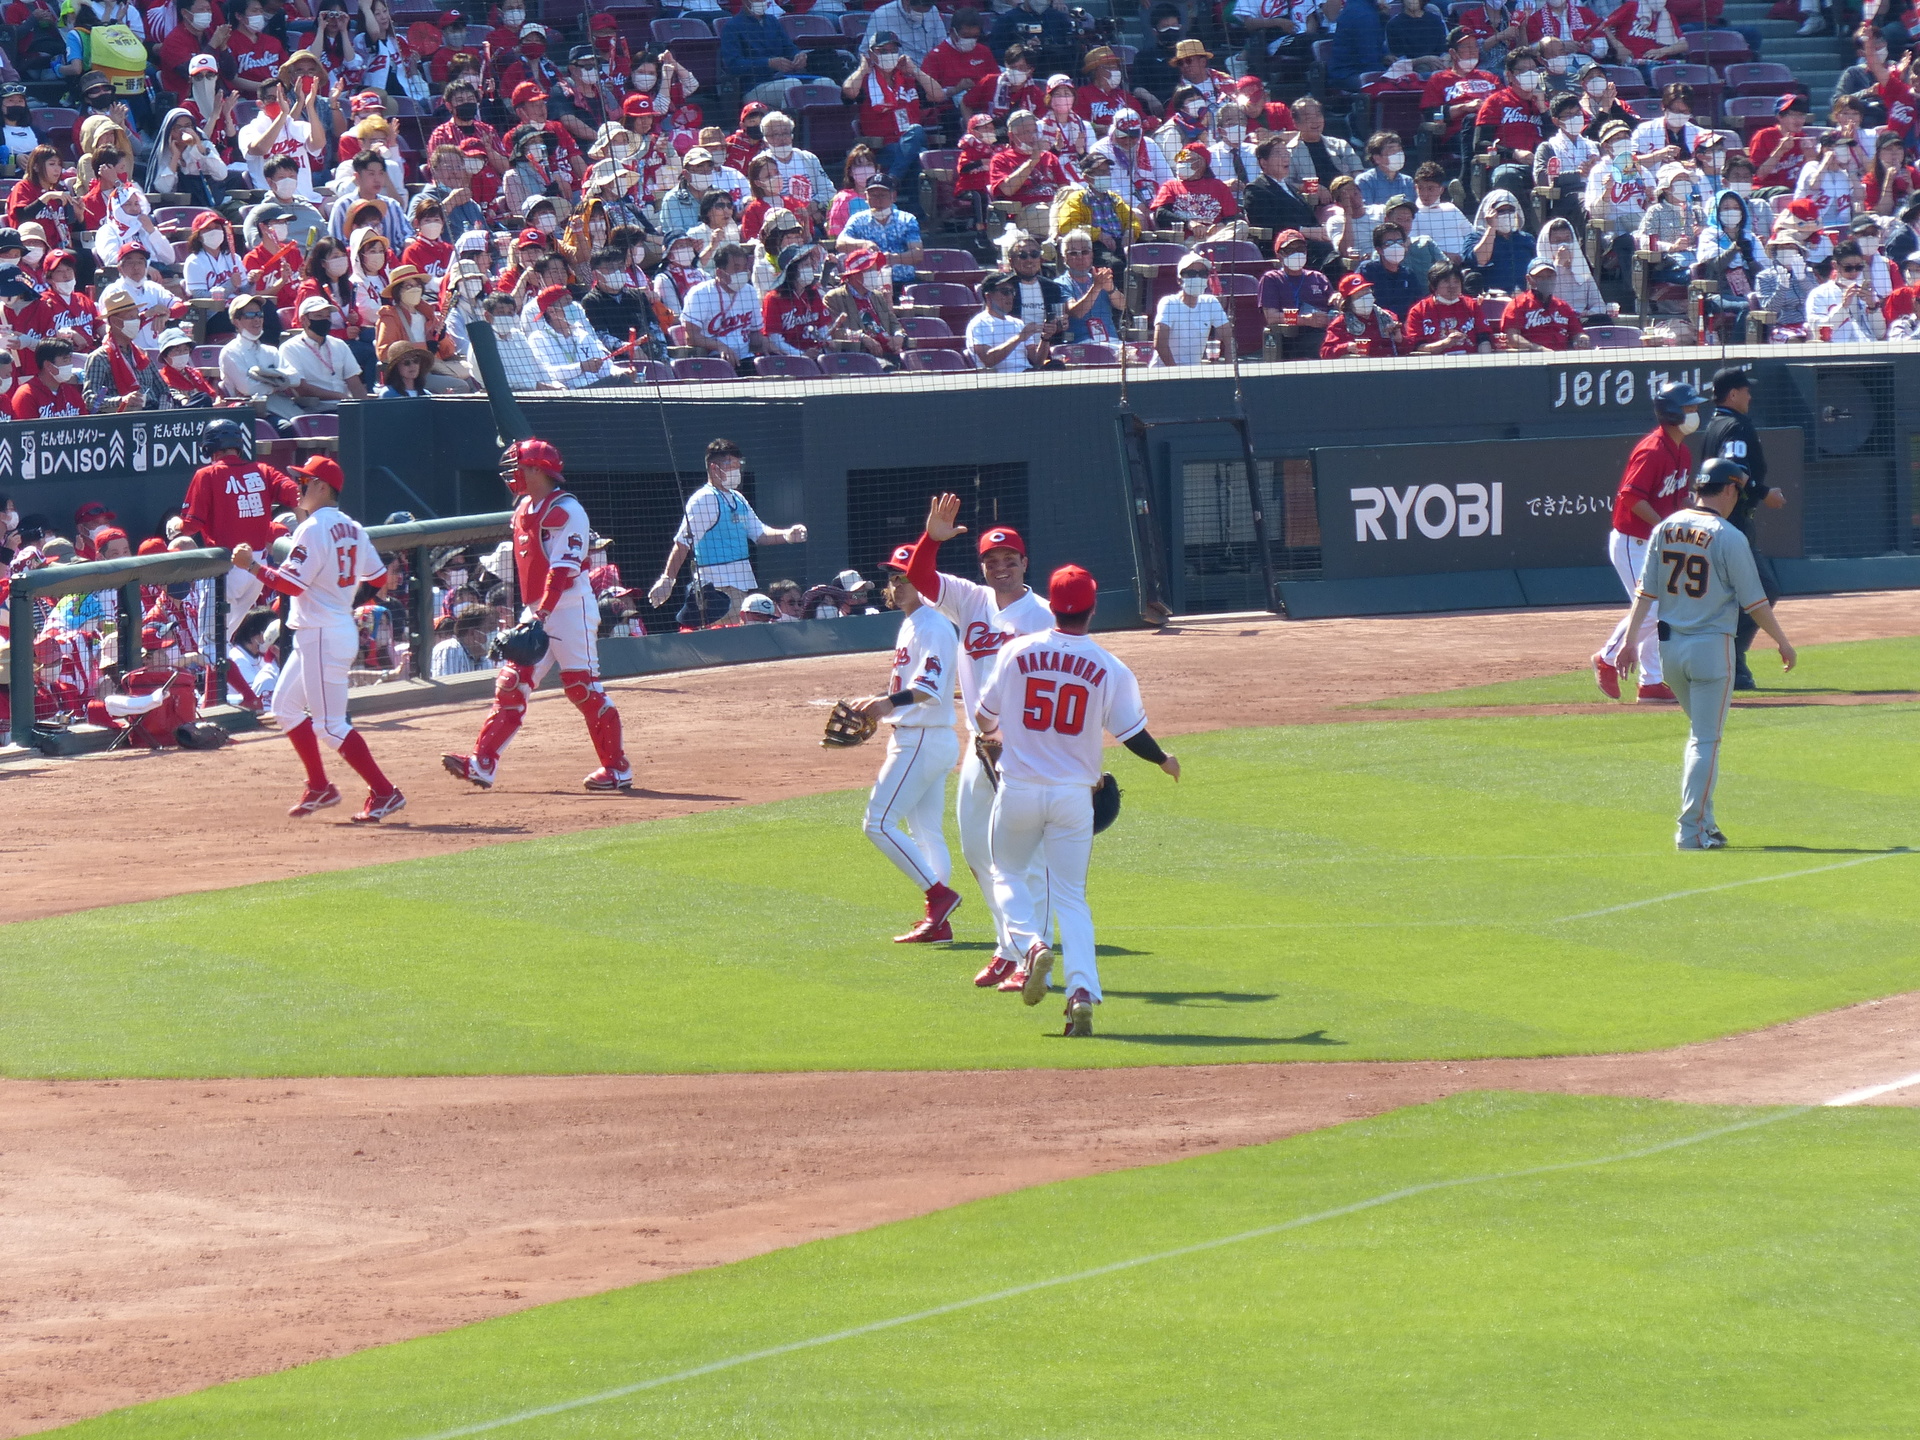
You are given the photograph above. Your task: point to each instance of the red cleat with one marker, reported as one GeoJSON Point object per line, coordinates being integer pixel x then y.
{"type": "Point", "coordinates": [942, 901]}
{"type": "Point", "coordinates": [1014, 983]}
{"type": "Point", "coordinates": [925, 932]}
{"type": "Point", "coordinates": [378, 807]}
{"type": "Point", "coordinates": [998, 969]}
{"type": "Point", "coordinates": [1607, 678]}
{"type": "Point", "coordinates": [1657, 694]}
{"type": "Point", "coordinates": [469, 768]}
{"type": "Point", "coordinates": [313, 800]}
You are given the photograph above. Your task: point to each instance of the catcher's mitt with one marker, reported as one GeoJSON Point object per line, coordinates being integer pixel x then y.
{"type": "Point", "coordinates": [523, 645]}
{"type": "Point", "coordinates": [1106, 802]}
{"type": "Point", "coordinates": [847, 727]}
{"type": "Point", "coordinates": [989, 753]}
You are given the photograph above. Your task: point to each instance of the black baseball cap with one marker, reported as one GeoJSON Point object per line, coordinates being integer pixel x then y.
{"type": "Point", "coordinates": [582, 55]}
{"type": "Point", "coordinates": [1459, 36]}
{"type": "Point", "coordinates": [1734, 377]}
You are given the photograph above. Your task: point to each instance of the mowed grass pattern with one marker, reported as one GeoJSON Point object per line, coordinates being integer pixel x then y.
{"type": "Point", "coordinates": [1396, 889]}
{"type": "Point", "coordinates": [1757, 1283]}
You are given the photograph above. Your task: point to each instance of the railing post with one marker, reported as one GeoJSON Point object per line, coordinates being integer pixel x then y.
{"type": "Point", "coordinates": [216, 653]}
{"type": "Point", "coordinates": [132, 653]}
{"type": "Point", "coordinates": [20, 666]}
{"type": "Point", "coordinates": [421, 649]}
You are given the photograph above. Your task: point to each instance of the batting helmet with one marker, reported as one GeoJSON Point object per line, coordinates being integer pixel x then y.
{"type": "Point", "coordinates": [226, 435]}
{"type": "Point", "coordinates": [1671, 402]}
{"type": "Point", "coordinates": [1717, 474]}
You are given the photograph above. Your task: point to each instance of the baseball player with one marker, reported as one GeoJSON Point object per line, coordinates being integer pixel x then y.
{"type": "Point", "coordinates": [716, 530]}
{"type": "Point", "coordinates": [1049, 697]}
{"type": "Point", "coordinates": [921, 749]}
{"type": "Point", "coordinates": [232, 501]}
{"type": "Point", "coordinates": [1730, 435]}
{"type": "Point", "coordinates": [1699, 569]}
{"type": "Point", "coordinates": [550, 533]}
{"type": "Point", "coordinates": [331, 556]}
{"type": "Point", "coordinates": [987, 616]}
{"type": "Point", "coordinates": [1652, 488]}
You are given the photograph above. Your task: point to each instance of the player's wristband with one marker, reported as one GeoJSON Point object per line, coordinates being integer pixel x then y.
{"type": "Point", "coordinates": [1147, 748]}
{"type": "Point", "coordinates": [903, 697]}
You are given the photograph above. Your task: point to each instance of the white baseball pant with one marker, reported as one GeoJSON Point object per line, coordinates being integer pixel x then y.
{"type": "Point", "coordinates": [1052, 823]}
{"type": "Point", "coordinates": [1627, 555]}
{"type": "Point", "coordinates": [973, 807]}
{"type": "Point", "coordinates": [243, 593]}
{"type": "Point", "coordinates": [315, 682]}
{"type": "Point", "coordinates": [906, 813]}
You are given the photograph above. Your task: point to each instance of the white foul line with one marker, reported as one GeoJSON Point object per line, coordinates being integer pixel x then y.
{"type": "Point", "coordinates": [1870, 1092]}
{"type": "Point", "coordinates": [1730, 885]}
{"type": "Point", "coordinates": [773, 1352]}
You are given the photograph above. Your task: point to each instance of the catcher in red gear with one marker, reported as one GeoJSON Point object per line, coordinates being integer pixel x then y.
{"type": "Point", "coordinates": [550, 537]}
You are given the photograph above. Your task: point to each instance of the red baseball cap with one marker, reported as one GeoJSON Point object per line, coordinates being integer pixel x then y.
{"type": "Point", "coordinates": [1002, 537]}
{"type": "Point", "coordinates": [897, 558]}
{"type": "Point", "coordinates": [530, 236]}
{"type": "Point", "coordinates": [603, 22]}
{"type": "Point", "coordinates": [551, 296]}
{"type": "Point", "coordinates": [527, 93]}
{"type": "Point", "coordinates": [638, 105]}
{"type": "Point", "coordinates": [325, 469]}
{"type": "Point", "coordinates": [153, 545]}
{"type": "Point", "coordinates": [1071, 591]}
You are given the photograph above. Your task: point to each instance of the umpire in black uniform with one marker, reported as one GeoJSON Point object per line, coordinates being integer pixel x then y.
{"type": "Point", "coordinates": [1730, 435]}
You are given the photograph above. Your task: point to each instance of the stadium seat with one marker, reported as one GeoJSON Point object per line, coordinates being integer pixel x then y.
{"type": "Point", "coordinates": [828, 125]}
{"type": "Point", "coordinates": [1750, 113]}
{"type": "Point", "coordinates": [937, 169]}
{"type": "Point", "coordinates": [1234, 257]}
{"type": "Point", "coordinates": [693, 45]}
{"type": "Point", "coordinates": [848, 364]}
{"type": "Point", "coordinates": [930, 332]}
{"type": "Point", "coordinates": [1398, 111]}
{"type": "Point", "coordinates": [703, 367]}
{"type": "Point", "coordinates": [957, 266]}
{"type": "Point", "coordinates": [928, 360]}
{"type": "Point", "coordinates": [1151, 263]}
{"type": "Point", "coordinates": [206, 357]}
{"type": "Point", "coordinates": [1718, 48]}
{"type": "Point", "coordinates": [1761, 78]}
{"type": "Point", "coordinates": [1492, 311]}
{"type": "Point", "coordinates": [1644, 107]}
{"type": "Point", "coordinates": [653, 372]}
{"type": "Point", "coordinates": [786, 367]}
{"type": "Point", "coordinates": [178, 217]}
{"type": "Point", "coordinates": [54, 124]}
{"type": "Point", "coordinates": [1087, 355]}
{"type": "Point", "coordinates": [854, 27]}
{"type": "Point", "coordinates": [957, 304]}
{"type": "Point", "coordinates": [1628, 83]}
{"type": "Point", "coordinates": [1614, 337]}
{"type": "Point", "coordinates": [668, 33]}
{"type": "Point", "coordinates": [802, 28]}
{"type": "Point", "coordinates": [1706, 85]}
{"type": "Point", "coordinates": [1237, 293]}
{"type": "Point", "coordinates": [317, 427]}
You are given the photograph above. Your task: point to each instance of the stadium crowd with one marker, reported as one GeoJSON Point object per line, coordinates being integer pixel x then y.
{"type": "Point", "coordinates": [283, 204]}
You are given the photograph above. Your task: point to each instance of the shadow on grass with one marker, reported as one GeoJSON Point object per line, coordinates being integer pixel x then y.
{"type": "Point", "coordinates": [455, 829]}
{"type": "Point", "coordinates": [1187, 997]}
{"type": "Point", "coordinates": [1224, 1042]}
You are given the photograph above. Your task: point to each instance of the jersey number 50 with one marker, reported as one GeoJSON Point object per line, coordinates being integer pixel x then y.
{"type": "Point", "coordinates": [1695, 567]}
{"type": "Point", "coordinates": [1064, 711]}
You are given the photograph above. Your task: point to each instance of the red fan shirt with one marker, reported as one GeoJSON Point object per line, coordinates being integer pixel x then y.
{"type": "Point", "coordinates": [1550, 323]}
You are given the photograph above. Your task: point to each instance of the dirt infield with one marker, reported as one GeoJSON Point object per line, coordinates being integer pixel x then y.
{"type": "Point", "coordinates": [721, 737]}
{"type": "Point", "coordinates": [168, 1235]}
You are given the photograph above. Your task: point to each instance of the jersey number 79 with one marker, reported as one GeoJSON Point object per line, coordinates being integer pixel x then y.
{"type": "Point", "coordinates": [1695, 567]}
{"type": "Point", "coordinates": [1064, 711]}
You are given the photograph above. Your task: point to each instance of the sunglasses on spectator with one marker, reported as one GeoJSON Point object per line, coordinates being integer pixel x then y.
{"type": "Point", "coordinates": [249, 315]}
{"type": "Point", "coordinates": [1852, 269]}
{"type": "Point", "coordinates": [1026, 254]}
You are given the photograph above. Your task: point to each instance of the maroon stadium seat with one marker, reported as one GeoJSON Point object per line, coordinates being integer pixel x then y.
{"type": "Point", "coordinates": [703, 367]}
{"type": "Point", "coordinates": [786, 367]}
{"type": "Point", "coordinates": [838, 364]}
{"type": "Point", "coordinates": [930, 332]}
{"type": "Point", "coordinates": [936, 360]}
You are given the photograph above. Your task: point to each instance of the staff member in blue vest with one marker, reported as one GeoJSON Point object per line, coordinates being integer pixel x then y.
{"type": "Point", "coordinates": [717, 530]}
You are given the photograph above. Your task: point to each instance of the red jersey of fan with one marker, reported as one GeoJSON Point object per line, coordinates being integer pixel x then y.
{"type": "Point", "coordinates": [889, 104]}
{"type": "Point", "coordinates": [1512, 118]}
{"type": "Point", "coordinates": [1657, 472]}
{"type": "Point", "coordinates": [1639, 33]}
{"type": "Point", "coordinates": [35, 400]}
{"type": "Point", "coordinates": [1432, 318]}
{"type": "Point", "coordinates": [233, 500]}
{"type": "Point", "coordinates": [1202, 202]}
{"type": "Point", "coordinates": [1898, 97]}
{"type": "Point", "coordinates": [1550, 323]}
{"type": "Point", "coordinates": [1448, 88]}
{"type": "Point", "coordinates": [800, 320]}
{"type": "Point", "coordinates": [951, 66]}
{"type": "Point", "coordinates": [1573, 24]}
{"type": "Point", "coordinates": [549, 538]}
{"type": "Point", "coordinates": [1042, 183]}
{"type": "Point", "coordinates": [255, 57]}
{"type": "Point", "coordinates": [431, 256]}
{"type": "Point", "coordinates": [1090, 102]}
{"type": "Point", "coordinates": [49, 315]}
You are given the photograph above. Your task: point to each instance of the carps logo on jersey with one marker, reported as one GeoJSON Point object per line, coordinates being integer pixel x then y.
{"type": "Point", "coordinates": [1436, 511]}
{"type": "Point", "coordinates": [982, 641]}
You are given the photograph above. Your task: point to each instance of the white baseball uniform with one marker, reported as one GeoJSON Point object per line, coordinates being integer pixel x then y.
{"type": "Point", "coordinates": [985, 626]}
{"type": "Point", "coordinates": [332, 555]}
{"type": "Point", "coordinates": [1052, 695]}
{"type": "Point", "coordinates": [921, 749]}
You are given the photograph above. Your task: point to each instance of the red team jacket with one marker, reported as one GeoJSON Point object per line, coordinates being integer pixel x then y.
{"type": "Point", "coordinates": [1513, 119]}
{"type": "Point", "coordinates": [231, 501]}
{"type": "Point", "coordinates": [1657, 473]}
{"type": "Point", "coordinates": [1431, 318]}
{"type": "Point", "coordinates": [1551, 324]}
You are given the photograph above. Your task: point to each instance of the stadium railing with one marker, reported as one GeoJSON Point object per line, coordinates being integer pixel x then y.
{"type": "Point", "coordinates": [417, 539]}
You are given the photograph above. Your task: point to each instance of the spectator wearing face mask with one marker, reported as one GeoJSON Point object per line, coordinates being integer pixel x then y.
{"type": "Point", "coordinates": [1730, 257]}
{"type": "Point", "coordinates": [1152, 68]}
{"type": "Point", "coordinates": [1573, 24]}
{"type": "Point", "coordinates": [1396, 284]}
{"type": "Point", "coordinates": [717, 227]}
{"type": "Point", "coordinates": [303, 222]}
{"type": "Point", "coordinates": [523, 370]}
{"type": "Point", "coordinates": [1026, 172]}
{"type": "Point", "coordinates": [1843, 309]}
{"type": "Point", "coordinates": [1194, 202]}
{"type": "Point", "coordinates": [1566, 159]}
{"type": "Point", "coordinates": [213, 271]}
{"type": "Point", "coordinates": [1385, 177]}
{"type": "Point", "coordinates": [1671, 226]}
{"type": "Point", "coordinates": [1619, 190]}
{"type": "Point", "coordinates": [294, 131]}
{"type": "Point", "coordinates": [1061, 128]}
{"type": "Point", "coordinates": [1360, 328]}
{"type": "Point", "coordinates": [51, 393]}
{"type": "Point", "coordinates": [803, 180]}
{"type": "Point", "coordinates": [250, 368]}
{"type": "Point", "coordinates": [1231, 156]}
{"type": "Point", "coordinates": [1296, 300]}
{"type": "Point", "coordinates": [571, 352]}
{"type": "Point", "coordinates": [185, 165]}
{"type": "Point", "coordinates": [1447, 321]}
{"type": "Point", "coordinates": [1008, 90]}
{"type": "Point", "coordinates": [1095, 302]}
{"type": "Point", "coordinates": [1188, 321]}
{"type": "Point", "coordinates": [888, 228]}
{"type": "Point", "coordinates": [1138, 166]}
{"type": "Point", "coordinates": [1882, 276]}
{"type": "Point", "coordinates": [1673, 135]}
{"type": "Point", "coordinates": [1096, 207]}
{"type": "Point", "coordinates": [794, 317]}
{"type": "Point", "coordinates": [862, 305]}
{"type": "Point", "coordinates": [1784, 287]}
{"type": "Point", "coordinates": [1105, 95]}
{"type": "Point", "coordinates": [960, 62]}
{"type": "Point", "coordinates": [1189, 122]}
{"type": "Point", "coordinates": [63, 309]}
{"type": "Point", "coordinates": [1512, 118]}
{"type": "Point", "coordinates": [620, 312]}
{"type": "Point", "coordinates": [755, 47]}
{"type": "Point", "coordinates": [1572, 277]}
{"type": "Point", "coordinates": [998, 338]}
{"type": "Point", "coordinates": [888, 87]}
{"type": "Point", "coordinates": [1500, 250]}
{"type": "Point", "coordinates": [1435, 217]}
{"type": "Point", "coordinates": [645, 73]}
{"type": "Point", "coordinates": [676, 279]}
{"type": "Point", "coordinates": [1538, 319]}
{"type": "Point", "coordinates": [680, 207]}
{"type": "Point", "coordinates": [464, 123]}
{"type": "Point", "coordinates": [119, 376]}
{"type": "Point", "coordinates": [722, 317]}
{"type": "Point", "coordinates": [851, 198]}
{"type": "Point", "coordinates": [717, 530]}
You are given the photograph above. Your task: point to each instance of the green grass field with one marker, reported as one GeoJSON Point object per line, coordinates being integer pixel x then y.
{"type": "Point", "coordinates": [1705, 1281]}
{"type": "Point", "coordinates": [1859, 667]}
{"type": "Point", "coordinates": [1396, 889]}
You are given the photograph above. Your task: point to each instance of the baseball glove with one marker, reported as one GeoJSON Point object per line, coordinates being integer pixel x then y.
{"type": "Point", "coordinates": [847, 727]}
{"type": "Point", "coordinates": [989, 753]}
{"type": "Point", "coordinates": [201, 735]}
{"type": "Point", "coordinates": [523, 645]}
{"type": "Point", "coordinates": [1106, 802]}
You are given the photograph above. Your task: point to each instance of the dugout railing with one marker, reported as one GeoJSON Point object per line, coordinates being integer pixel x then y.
{"type": "Point", "coordinates": [417, 539]}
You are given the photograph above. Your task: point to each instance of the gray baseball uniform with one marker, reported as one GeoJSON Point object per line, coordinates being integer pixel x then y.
{"type": "Point", "coordinates": [1700, 569]}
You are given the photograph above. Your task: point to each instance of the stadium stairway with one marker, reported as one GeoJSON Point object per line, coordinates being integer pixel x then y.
{"type": "Point", "coordinates": [1816, 61]}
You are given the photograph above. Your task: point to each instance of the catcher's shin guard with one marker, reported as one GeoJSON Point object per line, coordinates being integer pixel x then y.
{"type": "Point", "coordinates": [603, 721]}
{"type": "Point", "coordinates": [512, 685]}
